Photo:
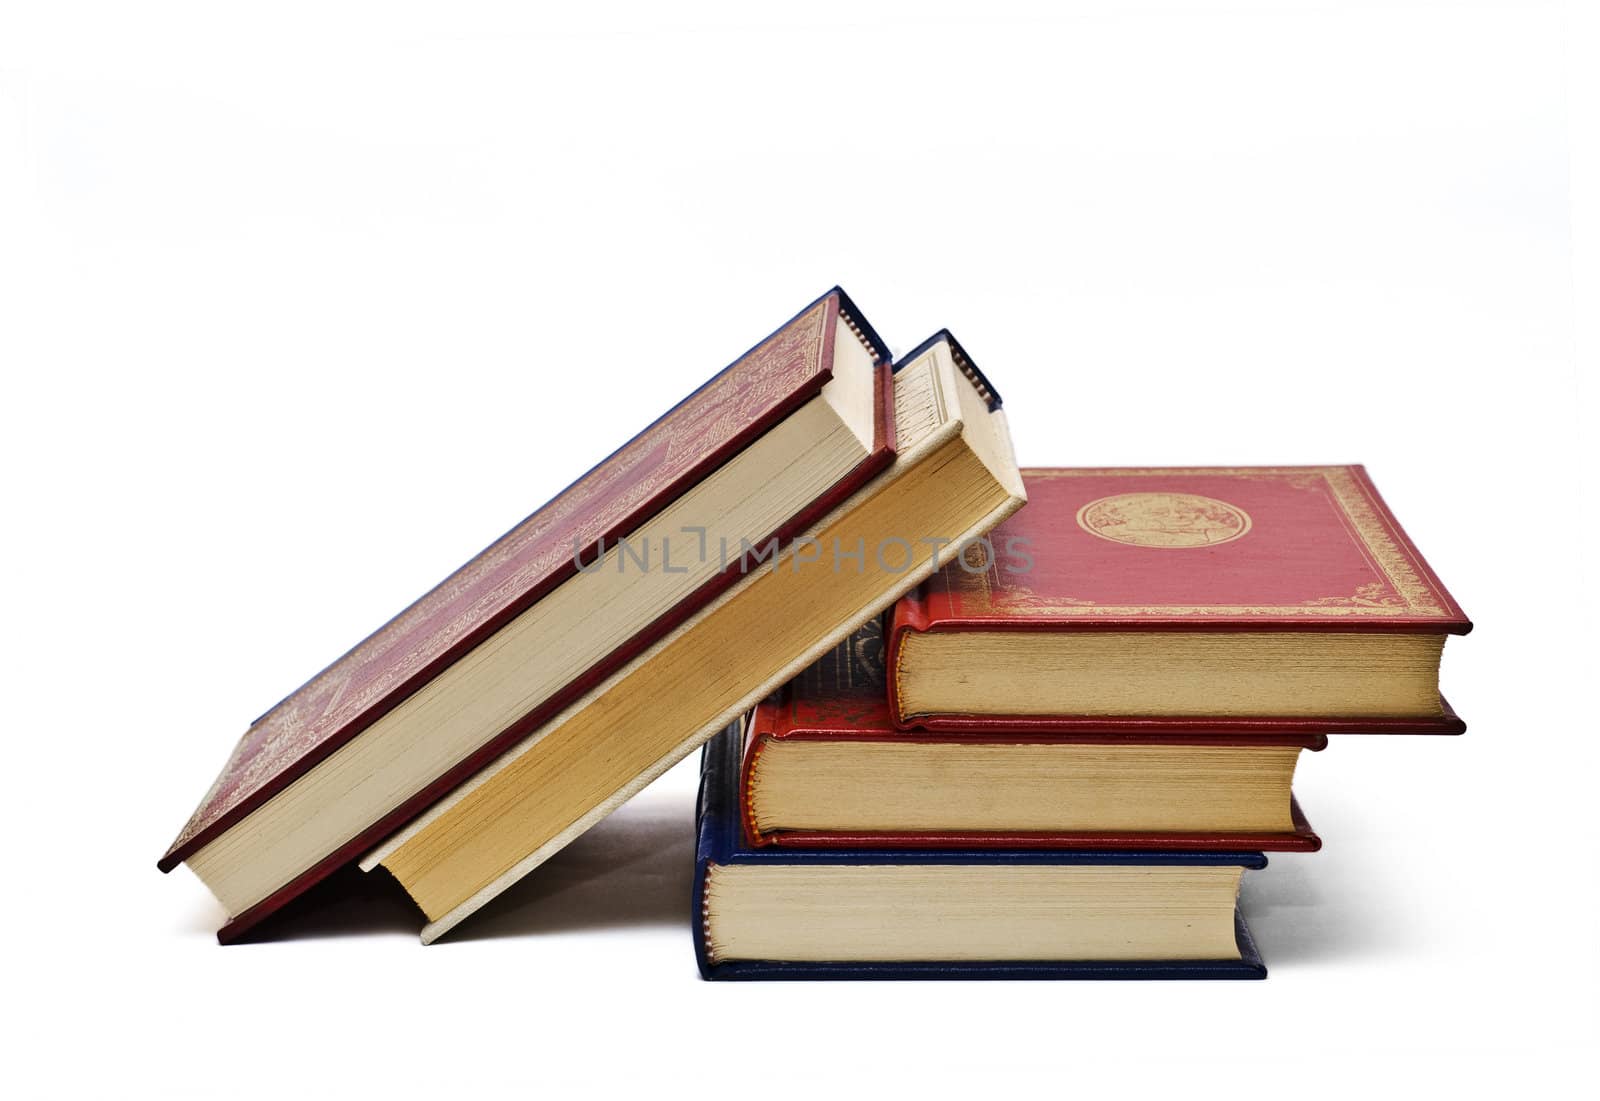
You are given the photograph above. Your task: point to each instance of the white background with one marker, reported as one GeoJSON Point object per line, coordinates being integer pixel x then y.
{"type": "Point", "coordinates": [299, 309]}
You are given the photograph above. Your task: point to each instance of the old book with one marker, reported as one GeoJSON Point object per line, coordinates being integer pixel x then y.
{"type": "Point", "coordinates": [1239, 599]}
{"type": "Point", "coordinates": [782, 913]}
{"type": "Point", "coordinates": [825, 766]}
{"type": "Point", "coordinates": [772, 442]}
{"type": "Point", "coordinates": [953, 478]}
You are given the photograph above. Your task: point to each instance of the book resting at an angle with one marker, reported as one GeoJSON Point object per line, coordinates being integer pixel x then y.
{"type": "Point", "coordinates": [952, 479]}
{"type": "Point", "coordinates": [787, 432]}
{"type": "Point", "coordinates": [825, 766]}
{"type": "Point", "coordinates": [1245, 600]}
{"type": "Point", "coordinates": [832, 913]}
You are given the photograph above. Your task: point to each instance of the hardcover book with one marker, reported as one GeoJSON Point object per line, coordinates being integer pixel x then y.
{"type": "Point", "coordinates": [953, 478]}
{"type": "Point", "coordinates": [778, 913]}
{"type": "Point", "coordinates": [1244, 600]}
{"type": "Point", "coordinates": [825, 766]}
{"type": "Point", "coordinates": [772, 442]}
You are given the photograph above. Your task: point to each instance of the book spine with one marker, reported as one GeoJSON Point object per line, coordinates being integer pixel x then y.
{"type": "Point", "coordinates": [857, 323]}
{"type": "Point", "coordinates": [910, 614]}
{"type": "Point", "coordinates": [753, 744]}
{"type": "Point", "coordinates": [963, 362]}
{"type": "Point", "coordinates": [715, 823]}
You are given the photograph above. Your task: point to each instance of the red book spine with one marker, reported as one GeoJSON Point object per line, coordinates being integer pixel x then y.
{"type": "Point", "coordinates": [910, 614]}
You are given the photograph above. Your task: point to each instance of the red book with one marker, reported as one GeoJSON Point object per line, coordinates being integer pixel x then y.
{"type": "Point", "coordinates": [825, 767]}
{"type": "Point", "coordinates": [1244, 600]}
{"type": "Point", "coordinates": [401, 719]}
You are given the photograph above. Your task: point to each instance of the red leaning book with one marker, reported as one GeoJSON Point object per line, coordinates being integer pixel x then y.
{"type": "Point", "coordinates": [1242, 600]}
{"type": "Point", "coordinates": [825, 767]}
{"type": "Point", "coordinates": [767, 446]}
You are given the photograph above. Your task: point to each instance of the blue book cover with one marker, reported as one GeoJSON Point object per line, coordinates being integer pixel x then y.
{"type": "Point", "coordinates": [721, 843]}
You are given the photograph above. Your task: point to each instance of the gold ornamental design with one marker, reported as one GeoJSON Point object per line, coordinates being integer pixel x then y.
{"type": "Point", "coordinates": [1166, 520]}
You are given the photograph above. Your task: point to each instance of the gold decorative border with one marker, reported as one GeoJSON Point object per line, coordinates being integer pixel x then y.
{"type": "Point", "coordinates": [1410, 592]}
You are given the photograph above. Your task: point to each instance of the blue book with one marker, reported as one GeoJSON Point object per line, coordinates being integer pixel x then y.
{"type": "Point", "coordinates": [787, 913]}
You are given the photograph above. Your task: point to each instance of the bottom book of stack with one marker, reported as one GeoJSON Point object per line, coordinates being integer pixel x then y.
{"type": "Point", "coordinates": [799, 913]}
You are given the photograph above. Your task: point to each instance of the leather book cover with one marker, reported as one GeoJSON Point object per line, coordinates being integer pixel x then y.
{"type": "Point", "coordinates": [667, 459]}
{"type": "Point", "coordinates": [720, 841]}
{"type": "Point", "coordinates": [842, 697]}
{"type": "Point", "coordinates": [1293, 548]}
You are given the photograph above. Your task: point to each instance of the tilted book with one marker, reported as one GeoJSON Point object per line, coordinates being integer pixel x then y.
{"type": "Point", "coordinates": [1219, 599]}
{"type": "Point", "coordinates": [780, 913]}
{"type": "Point", "coordinates": [780, 437]}
{"type": "Point", "coordinates": [825, 767]}
{"type": "Point", "coordinates": [953, 478]}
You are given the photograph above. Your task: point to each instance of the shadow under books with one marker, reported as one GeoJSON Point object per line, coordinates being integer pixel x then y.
{"type": "Point", "coordinates": [634, 869]}
{"type": "Point", "coordinates": [1306, 909]}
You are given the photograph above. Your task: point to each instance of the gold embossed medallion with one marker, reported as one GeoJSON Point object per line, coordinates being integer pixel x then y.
{"type": "Point", "coordinates": [1164, 520]}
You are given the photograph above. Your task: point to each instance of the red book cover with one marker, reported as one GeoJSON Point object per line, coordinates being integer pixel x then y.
{"type": "Point", "coordinates": [842, 698]}
{"type": "Point", "coordinates": [1215, 549]}
{"type": "Point", "coordinates": [655, 468]}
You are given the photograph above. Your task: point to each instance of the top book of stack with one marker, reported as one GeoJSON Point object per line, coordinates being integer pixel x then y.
{"type": "Point", "coordinates": [1177, 600]}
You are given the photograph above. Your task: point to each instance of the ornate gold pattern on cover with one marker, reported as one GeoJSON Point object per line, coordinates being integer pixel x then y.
{"type": "Point", "coordinates": [1163, 520]}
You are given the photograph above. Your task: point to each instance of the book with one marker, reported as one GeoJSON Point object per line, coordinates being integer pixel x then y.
{"type": "Point", "coordinates": [1239, 600]}
{"type": "Point", "coordinates": [953, 478]}
{"type": "Point", "coordinates": [825, 766]}
{"type": "Point", "coordinates": [767, 445]}
{"type": "Point", "coordinates": [768, 913]}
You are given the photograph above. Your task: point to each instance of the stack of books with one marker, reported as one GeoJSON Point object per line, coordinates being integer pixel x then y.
{"type": "Point", "coordinates": [972, 739]}
{"type": "Point", "coordinates": [1060, 755]}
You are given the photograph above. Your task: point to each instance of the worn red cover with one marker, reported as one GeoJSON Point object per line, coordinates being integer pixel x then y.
{"type": "Point", "coordinates": [842, 697]}
{"type": "Point", "coordinates": [1292, 548]}
{"type": "Point", "coordinates": [626, 489]}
